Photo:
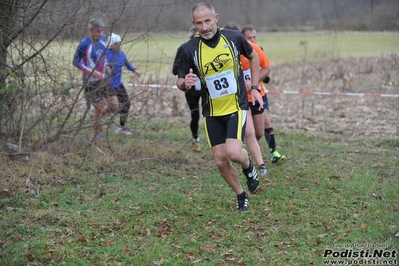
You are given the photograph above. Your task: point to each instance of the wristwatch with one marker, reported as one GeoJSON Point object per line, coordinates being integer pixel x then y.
{"type": "Point", "coordinates": [256, 87]}
{"type": "Point", "coordinates": [183, 86]}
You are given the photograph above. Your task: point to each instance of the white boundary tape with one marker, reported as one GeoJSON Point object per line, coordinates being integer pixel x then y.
{"type": "Point", "coordinates": [159, 86]}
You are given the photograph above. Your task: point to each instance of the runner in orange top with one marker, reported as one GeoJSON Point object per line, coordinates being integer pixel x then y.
{"type": "Point", "coordinates": [264, 69]}
{"type": "Point", "coordinates": [250, 136]}
{"type": "Point", "coordinates": [249, 33]}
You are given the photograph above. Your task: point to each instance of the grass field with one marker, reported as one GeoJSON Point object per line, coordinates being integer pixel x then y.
{"type": "Point", "coordinates": [154, 202]}
{"type": "Point", "coordinates": [148, 199]}
{"type": "Point", "coordinates": [154, 54]}
{"type": "Point", "coordinates": [288, 48]}
{"type": "Point", "coordinates": [157, 51]}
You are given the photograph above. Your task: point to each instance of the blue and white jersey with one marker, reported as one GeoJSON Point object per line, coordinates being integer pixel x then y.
{"type": "Point", "coordinates": [90, 56]}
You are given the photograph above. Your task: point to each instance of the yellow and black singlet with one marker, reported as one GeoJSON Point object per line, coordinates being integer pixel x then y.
{"type": "Point", "coordinates": [217, 63]}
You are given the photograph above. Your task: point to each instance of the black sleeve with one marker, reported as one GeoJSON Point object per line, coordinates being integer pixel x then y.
{"type": "Point", "coordinates": [184, 63]}
{"type": "Point", "coordinates": [246, 48]}
{"type": "Point", "coordinates": [177, 59]}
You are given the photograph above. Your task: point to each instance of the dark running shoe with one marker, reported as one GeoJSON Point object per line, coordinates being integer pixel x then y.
{"type": "Point", "coordinates": [242, 202]}
{"type": "Point", "coordinates": [252, 177]}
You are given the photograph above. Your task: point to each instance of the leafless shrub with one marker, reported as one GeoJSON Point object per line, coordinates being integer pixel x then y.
{"type": "Point", "coordinates": [41, 95]}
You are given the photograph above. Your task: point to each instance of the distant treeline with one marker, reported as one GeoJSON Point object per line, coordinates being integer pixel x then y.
{"type": "Point", "coordinates": [174, 15]}
{"type": "Point", "coordinates": [267, 15]}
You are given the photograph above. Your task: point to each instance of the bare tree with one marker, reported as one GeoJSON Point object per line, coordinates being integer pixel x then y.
{"type": "Point", "coordinates": [40, 97]}
{"type": "Point", "coordinates": [27, 31]}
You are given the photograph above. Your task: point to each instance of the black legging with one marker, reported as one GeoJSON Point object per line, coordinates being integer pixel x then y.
{"type": "Point", "coordinates": [124, 104]}
{"type": "Point", "coordinates": [193, 97]}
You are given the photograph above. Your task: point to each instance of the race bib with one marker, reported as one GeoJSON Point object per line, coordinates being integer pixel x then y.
{"type": "Point", "coordinates": [221, 84]}
{"type": "Point", "coordinates": [247, 74]}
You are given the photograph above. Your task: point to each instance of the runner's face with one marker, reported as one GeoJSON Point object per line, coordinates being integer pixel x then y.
{"type": "Point", "coordinates": [95, 33]}
{"type": "Point", "coordinates": [250, 35]}
{"type": "Point", "coordinates": [116, 47]}
{"type": "Point", "coordinates": [205, 22]}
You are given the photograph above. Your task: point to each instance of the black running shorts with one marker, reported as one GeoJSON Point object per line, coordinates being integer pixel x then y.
{"type": "Point", "coordinates": [220, 128]}
{"type": "Point", "coordinates": [96, 90]}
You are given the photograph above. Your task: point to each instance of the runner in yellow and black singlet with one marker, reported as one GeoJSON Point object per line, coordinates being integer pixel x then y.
{"type": "Point", "coordinates": [214, 57]}
{"type": "Point", "coordinates": [216, 62]}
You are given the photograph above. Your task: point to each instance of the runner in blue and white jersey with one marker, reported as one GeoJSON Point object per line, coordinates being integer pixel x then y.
{"type": "Point", "coordinates": [91, 60]}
